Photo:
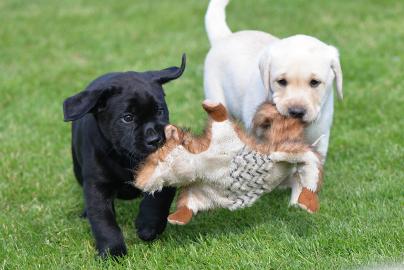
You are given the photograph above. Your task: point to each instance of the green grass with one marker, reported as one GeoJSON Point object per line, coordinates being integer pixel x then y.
{"type": "Point", "coordinates": [52, 49]}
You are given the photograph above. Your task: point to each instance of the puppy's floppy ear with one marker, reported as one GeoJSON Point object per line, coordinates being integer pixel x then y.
{"type": "Point", "coordinates": [169, 74]}
{"type": "Point", "coordinates": [336, 68]}
{"type": "Point", "coordinates": [75, 107]}
{"type": "Point", "coordinates": [265, 66]}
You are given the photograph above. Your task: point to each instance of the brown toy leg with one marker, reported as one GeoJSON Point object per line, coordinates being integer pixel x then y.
{"type": "Point", "coordinates": [308, 200]}
{"type": "Point", "coordinates": [215, 110]}
{"type": "Point", "coordinates": [181, 216]}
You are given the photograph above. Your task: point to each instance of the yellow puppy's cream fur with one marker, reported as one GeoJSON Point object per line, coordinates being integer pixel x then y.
{"type": "Point", "coordinates": [245, 68]}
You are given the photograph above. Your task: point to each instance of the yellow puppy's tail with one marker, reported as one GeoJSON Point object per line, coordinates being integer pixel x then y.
{"type": "Point", "coordinates": [215, 21]}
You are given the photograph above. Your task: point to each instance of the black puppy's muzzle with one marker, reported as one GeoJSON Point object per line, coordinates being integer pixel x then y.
{"type": "Point", "coordinates": [153, 138]}
{"type": "Point", "coordinates": [154, 141]}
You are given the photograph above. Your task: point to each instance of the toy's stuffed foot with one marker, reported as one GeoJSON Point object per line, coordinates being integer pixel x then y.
{"type": "Point", "coordinates": [182, 216]}
{"type": "Point", "coordinates": [215, 110]}
{"type": "Point", "coordinates": [171, 132]}
{"type": "Point", "coordinates": [308, 200]}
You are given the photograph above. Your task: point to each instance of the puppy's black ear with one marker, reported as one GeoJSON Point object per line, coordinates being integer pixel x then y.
{"type": "Point", "coordinates": [75, 107]}
{"type": "Point", "coordinates": [169, 74]}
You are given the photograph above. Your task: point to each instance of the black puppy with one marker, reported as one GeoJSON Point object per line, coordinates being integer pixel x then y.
{"type": "Point", "coordinates": [119, 120]}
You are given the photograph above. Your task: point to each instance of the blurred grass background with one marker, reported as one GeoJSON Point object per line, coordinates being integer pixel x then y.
{"type": "Point", "coordinates": [50, 50]}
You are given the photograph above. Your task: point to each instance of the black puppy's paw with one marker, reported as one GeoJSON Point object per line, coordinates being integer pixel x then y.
{"type": "Point", "coordinates": [117, 250]}
{"type": "Point", "coordinates": [148, 231]}
{"type": "Point", "coordinates": [153, 211]}
{"type": "Point", "coordinates": [147, 234]}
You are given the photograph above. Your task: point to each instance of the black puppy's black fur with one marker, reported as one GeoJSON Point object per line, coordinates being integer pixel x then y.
{"type": "Point", "coordinates": [118, 120]}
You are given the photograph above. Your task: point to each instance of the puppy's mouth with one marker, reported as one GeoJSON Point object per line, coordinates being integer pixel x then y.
{"type": "Point", "coordinates": [306, 119]}
{"type": "Point", "coordinates": [151, 147]}
{"type": "Point", "coordinates": [138, 153]}
{"type": "Point", "coordinates": [305, 115]}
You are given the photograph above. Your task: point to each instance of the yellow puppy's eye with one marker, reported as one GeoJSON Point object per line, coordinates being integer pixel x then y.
{"type": "Point", "coordinates": [282, 82]}
{"type": "Point", "coordinates": [314, 83]}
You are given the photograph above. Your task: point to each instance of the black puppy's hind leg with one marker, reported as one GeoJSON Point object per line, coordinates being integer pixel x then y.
{"type": "Point", "coordinates": [154, 209]}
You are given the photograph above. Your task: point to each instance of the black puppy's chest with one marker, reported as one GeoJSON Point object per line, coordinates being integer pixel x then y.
{"type": "Point", "coordinates": [117, 170]}
{"type": "Point", "coordinates": [118, 175]}
{"type": "Point", "coordinates": [96, 158]}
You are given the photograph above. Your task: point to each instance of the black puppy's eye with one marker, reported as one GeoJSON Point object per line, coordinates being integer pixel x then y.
{"type": "Point", "coordinates": [160, 112]}
{"type": "Point", "coordinates": [282, 82]}
{"type": "Point", "coordinates": [127, 118]}
{"type": "Point", "coordinates": [314, 83]}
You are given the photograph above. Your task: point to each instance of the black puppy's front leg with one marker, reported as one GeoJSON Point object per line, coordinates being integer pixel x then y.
{"type": "Point", "coordinates": [99, 198]}
{"type": "Point", "coordinates": [153, 212]}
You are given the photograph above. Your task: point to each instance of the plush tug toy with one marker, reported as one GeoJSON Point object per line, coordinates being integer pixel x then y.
{"type": "Point", "coordinates": [226, 168]}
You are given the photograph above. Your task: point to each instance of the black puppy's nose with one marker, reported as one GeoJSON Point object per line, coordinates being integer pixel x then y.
{"type": "Point", "coordinates": [297, 112]}
{"type": "Point", "coordinates": [152, 137]}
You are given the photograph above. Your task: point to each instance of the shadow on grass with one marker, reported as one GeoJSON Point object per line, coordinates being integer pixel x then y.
{"type": "Point", "coordinates": [270, 214]}
{"type": "Point", "coordinates": [271, 210]}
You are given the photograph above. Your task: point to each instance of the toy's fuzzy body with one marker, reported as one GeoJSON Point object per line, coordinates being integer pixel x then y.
{"type": "Point", "coordinates": [225, 168]}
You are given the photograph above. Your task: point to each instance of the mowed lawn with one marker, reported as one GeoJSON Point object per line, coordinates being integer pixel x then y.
{"type": "Point", "coordinates": [50, 50]}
